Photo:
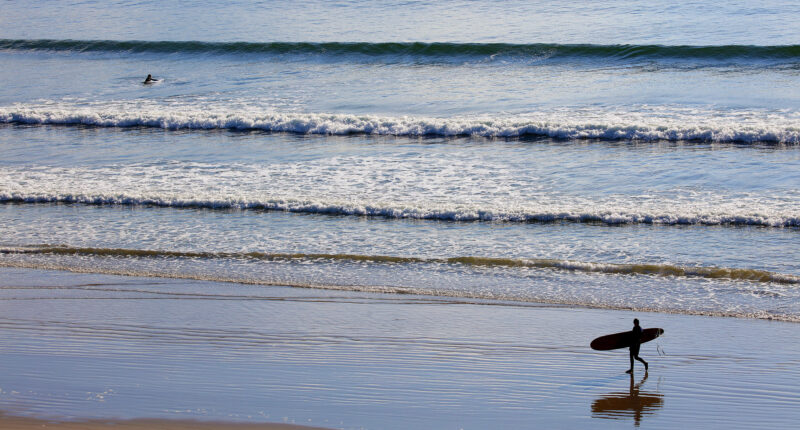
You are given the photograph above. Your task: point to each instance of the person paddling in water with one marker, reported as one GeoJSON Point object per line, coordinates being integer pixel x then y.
{"type": "Point", "coordinates": [149, 79]}
{"type": "Point", "coordinates": [636, 336]}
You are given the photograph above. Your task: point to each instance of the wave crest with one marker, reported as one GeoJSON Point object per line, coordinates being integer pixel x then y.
{"type": "Point", "coordinates": [420, 50]}
{"type": "Point", "coordinates": [653, 125]}
{"type": "Point", "coordinates": [409, 212]}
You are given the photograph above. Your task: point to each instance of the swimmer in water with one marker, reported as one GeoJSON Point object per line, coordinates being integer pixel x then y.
{"type": "Point", "coordinates": [149, 79]}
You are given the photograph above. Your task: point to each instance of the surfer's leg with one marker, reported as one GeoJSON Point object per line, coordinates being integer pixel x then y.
{"type": "Point", "coordinates": [642, 360]}
{"type": "Point", "coordinates": [630, 353]}
{"type": "Point", "coordinates": [634, 353]}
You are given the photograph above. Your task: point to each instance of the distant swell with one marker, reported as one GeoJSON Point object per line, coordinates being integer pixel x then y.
{"type": "Point", "coordinates": [647, 126]}
{"type": "Point", "coordinates": [734, 274]}
{"type": "Point", "coordinates": [782, 53]}
{"type": "Point", "coordinates": [464, 215]}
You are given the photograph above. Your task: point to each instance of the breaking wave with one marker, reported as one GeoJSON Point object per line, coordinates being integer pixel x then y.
{"type": "Point", "coordinates": [608, 216]}
{"type": "Point", "coordinates": [648, 124]}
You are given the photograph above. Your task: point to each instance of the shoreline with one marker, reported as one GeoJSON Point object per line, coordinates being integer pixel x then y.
{"type": "Point", "coordinates": [433, 294]}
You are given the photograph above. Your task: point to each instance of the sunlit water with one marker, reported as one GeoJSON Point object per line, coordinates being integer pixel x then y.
{"type": "Point", "coordinates": [627, 155]}
{"type": "Point", "coordinates": [578, 146]}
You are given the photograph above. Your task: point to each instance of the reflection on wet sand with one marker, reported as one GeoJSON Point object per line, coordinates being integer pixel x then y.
{"type": "Point", "coordinates": [635, 403]}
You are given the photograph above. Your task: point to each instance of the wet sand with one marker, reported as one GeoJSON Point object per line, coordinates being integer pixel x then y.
{"type": "Point", "coordinates": [99, 348]}
{"type": "Point", "coordinates": [18, 423]}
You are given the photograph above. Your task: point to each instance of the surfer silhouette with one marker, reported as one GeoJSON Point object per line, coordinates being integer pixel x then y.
{"type": "Point", "coordinates": [149, 80]}
{"type": "Point", "coordinates": [636, 336]}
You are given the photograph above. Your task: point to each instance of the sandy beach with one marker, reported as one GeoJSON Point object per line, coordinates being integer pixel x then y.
{"type": "Point", "coordinates": [109, 349]}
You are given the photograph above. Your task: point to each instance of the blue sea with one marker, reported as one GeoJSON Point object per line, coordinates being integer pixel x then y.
{"type": "Point", "coordinates": [633, 155]}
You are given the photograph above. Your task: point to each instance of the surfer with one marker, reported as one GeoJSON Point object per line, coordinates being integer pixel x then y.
{"type": "Point", "coordinates": [636, 336]}
{"type": "Point", "coordinates": [149, 79]}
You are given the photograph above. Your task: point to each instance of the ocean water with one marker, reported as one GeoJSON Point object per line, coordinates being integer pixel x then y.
{"type": "Point", "coordinates": [628, 155]}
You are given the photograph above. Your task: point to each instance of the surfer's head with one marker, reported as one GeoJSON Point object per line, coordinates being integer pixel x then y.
{"type": "Point", "coordinates": [636, 321]}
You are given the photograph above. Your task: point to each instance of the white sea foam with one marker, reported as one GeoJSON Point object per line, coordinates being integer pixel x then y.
{"type": "Point", "coordinates": [647, 123]}
{"type": "Point", "coordinates": [667, 215]}
{"type": "Point", "coordinates": [392, 186]}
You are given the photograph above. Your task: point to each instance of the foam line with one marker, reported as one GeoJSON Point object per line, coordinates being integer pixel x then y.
{"type": "Point", "coordinates": [655, 125]}
{"type": "Point", "coordinates": [611, 217]}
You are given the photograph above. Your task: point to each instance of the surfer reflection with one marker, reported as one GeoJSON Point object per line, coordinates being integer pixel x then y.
{"type": "Point", "coordinates": [636, 337]}
{"type": "Point", "coordinates": [635, 403]}
{"type": "Point", "coordinates": [149, 79]}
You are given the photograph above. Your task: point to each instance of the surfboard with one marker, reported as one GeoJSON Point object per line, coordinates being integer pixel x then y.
{"type": "Point", "coordinates": [623, 339]}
